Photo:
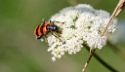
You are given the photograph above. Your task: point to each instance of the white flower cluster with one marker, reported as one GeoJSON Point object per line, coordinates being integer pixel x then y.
{"type": "Point", "coordinates": [82, 25]}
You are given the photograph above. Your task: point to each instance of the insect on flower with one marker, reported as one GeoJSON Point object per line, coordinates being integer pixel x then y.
{"type": "Point", "coordinates": [46, 27]}
{"type": "Point", "coordinates": [74, 27]}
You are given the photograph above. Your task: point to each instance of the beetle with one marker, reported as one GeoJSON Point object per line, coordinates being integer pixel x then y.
{"type": "Point", "coordinates": [46, 27]}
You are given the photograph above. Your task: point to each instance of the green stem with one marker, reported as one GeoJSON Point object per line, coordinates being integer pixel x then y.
{"type": "Point", "coordinates": [102, 61]}
{"type": "Point", "coordinates": [86, 64]}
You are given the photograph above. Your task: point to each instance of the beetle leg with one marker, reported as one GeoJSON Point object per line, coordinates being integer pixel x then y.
{"type": "Point", "coordinates": [58, 22]}
{"type": "Point", "coordinates": [44, 20]}
{"type": "Point", "coordinates": [45, 38]}
{"type": "Point", "coordinates": [53, 22]}
{"type": "Point", "coordinates": [56, 36]}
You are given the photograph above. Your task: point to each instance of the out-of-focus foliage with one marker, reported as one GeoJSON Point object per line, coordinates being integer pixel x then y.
{"type": "Point", "coordinates": [21, 52]}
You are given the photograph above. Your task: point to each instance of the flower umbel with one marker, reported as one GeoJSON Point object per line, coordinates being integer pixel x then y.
{"type": "Point", "coordinates": [82, 25]}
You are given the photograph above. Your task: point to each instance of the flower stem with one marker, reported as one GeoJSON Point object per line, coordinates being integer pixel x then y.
{"type": "Point", "coordinates": [86, 64]}
{"type": "Point", "coordinates": [102, 61]}
{"type": "Point", "coordinates": [120, 6]}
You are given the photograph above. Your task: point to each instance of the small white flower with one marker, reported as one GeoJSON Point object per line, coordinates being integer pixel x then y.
{"type": "Point", "coordinates": [82, 25]}
{"type": "Point", "coordinates": [53, 58]}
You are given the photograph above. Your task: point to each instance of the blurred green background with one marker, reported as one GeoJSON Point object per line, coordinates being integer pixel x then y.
{"type": "Point", "coordinates": [21, 52]}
